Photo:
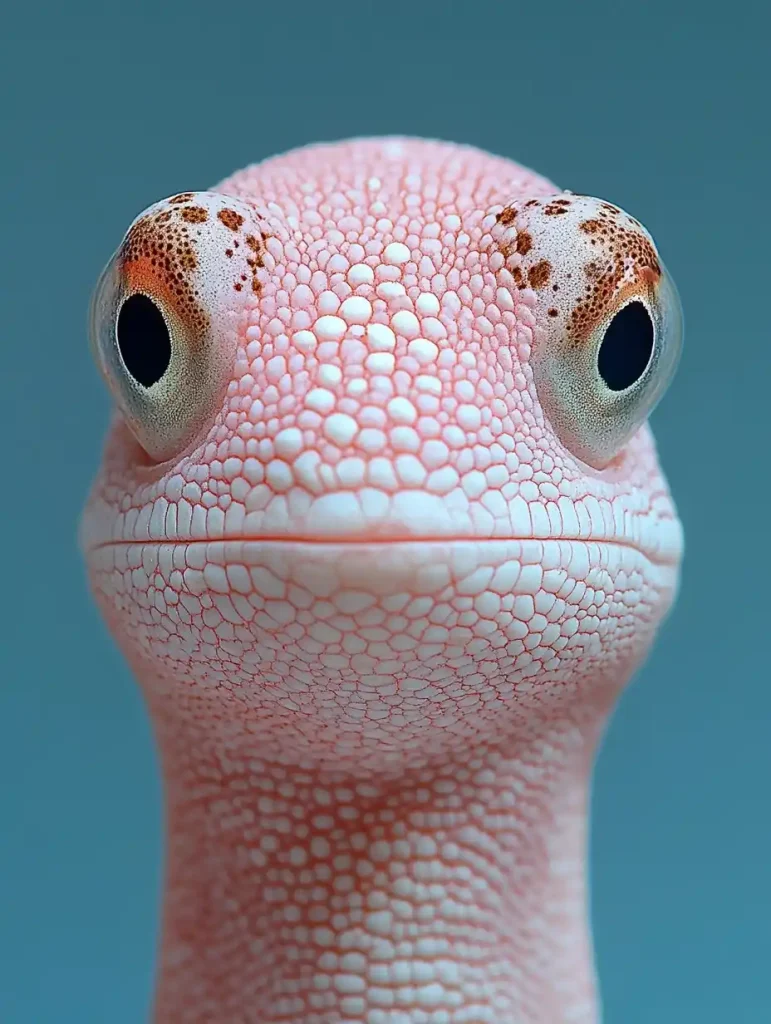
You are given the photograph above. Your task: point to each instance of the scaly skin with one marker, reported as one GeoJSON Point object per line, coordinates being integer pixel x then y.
{"type": "Point", "coordinates": [382, 550]}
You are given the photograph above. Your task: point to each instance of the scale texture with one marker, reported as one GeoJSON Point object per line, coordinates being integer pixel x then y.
{"type": "Point", "coordinates": [380, 577]}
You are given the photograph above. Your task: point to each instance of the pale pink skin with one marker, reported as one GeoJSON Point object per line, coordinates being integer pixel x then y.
{"type": "Point", "coordinates": [378, 608]}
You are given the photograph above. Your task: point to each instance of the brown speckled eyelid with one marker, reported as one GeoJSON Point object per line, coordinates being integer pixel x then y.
{"type": "Point", "coordinates": [583, 256]}
{"type": "Point", "coordinates": [158, 258]}
{"type": "Point", "coordinates": [199, 257]}
{"type": "Point", "coordinates": [578, 261]}
{"type": "Point", "coordinates": [160, 254]}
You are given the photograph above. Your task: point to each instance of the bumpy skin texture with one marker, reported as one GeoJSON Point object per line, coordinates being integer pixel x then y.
{"type": "Point", "coordinates": [377, 606]}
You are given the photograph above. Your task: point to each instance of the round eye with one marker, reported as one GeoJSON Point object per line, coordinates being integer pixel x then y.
{"type": "Point", "coordinates": [144, 341]}
{"type": "Point", "coordinates": [609, 326]}
{"type": "Point", "coordinates": [168, 312]}
{"type": "Point", "coordinates": [626, 347]}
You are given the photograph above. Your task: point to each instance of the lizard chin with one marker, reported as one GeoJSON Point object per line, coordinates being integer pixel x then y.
{"type": "Point", "coordinates": [382, 657]}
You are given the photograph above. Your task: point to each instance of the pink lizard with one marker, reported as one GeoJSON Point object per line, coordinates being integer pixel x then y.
{"type": "Point", "coordinates": [381, 531]}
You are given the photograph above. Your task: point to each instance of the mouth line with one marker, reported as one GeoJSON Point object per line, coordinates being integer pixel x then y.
{"type": "Point", "coordinates": [384, 542]}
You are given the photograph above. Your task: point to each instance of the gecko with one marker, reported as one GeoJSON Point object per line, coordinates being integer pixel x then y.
{"type": "Point", "coordinates": [381, 531]}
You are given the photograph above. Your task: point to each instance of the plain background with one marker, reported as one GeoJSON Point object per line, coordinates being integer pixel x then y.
{"type": "Point", "coordinates": [661, 107]}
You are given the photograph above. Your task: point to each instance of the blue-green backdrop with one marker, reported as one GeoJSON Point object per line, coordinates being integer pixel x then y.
{"type": "Point", "coordinates": [659, 106]}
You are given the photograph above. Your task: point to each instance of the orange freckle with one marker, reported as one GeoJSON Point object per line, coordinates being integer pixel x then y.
{"type": "Point", "coordinates": [539, 274]}
{"type": "Point", "coordinates": [195, 214]}
{"type": "Point", "coordinates": [230, 218]}
{"type": "Point", "coordinates": [524, 242]}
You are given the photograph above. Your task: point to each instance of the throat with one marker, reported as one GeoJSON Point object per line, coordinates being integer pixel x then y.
{"type": "Point", "coordinates": [453, 894]}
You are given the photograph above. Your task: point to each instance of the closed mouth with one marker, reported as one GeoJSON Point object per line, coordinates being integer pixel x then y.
{"type": "Point", "coordinates": [667, 558]}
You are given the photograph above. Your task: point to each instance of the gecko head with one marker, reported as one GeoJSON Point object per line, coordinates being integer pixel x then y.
{"type": "Point", "coordinates": [380, 465]}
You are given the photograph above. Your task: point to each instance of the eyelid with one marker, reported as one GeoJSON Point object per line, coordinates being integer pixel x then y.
{"type": "Point", "coordinates": [200, 259]}
{"type": "Point", "coordinates": [582, 260]}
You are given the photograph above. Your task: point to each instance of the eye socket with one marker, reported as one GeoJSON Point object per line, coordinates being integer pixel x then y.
{"type": "Point", "coordinates": [143, 339]}
{"type": "Point", "coordinates": [168, 312]}
{"type": "Point", "coordinates": [608, 323]}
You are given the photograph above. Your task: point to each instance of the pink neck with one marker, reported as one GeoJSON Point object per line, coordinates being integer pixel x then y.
{"type": "Point", "coordinates": [452, 893]}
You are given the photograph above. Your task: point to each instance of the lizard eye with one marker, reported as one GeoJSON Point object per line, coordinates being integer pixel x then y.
{"type": "Point", "coordinates": [609, 325]}
{"type": "Point", "coordinates": [144, 340]}
{"type": "Point", "coordinates": [626, 347]}
{"type": "Point", "coordinates": [168, 311]}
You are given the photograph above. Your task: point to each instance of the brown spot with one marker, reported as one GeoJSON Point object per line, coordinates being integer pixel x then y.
{"type": "Point", "coordinates": [507, 216]}
{"type": "Point", "coordinates": [519, 277]}
{"type": "Point", "coordinates": [590, 227]}
{"type": "Point", "coordinates": [183, 197]}
{"type": "Point", "coordinates": [257, 247]}
{"type": "Point", "coordinates": [194, 214]}
{"type": "Point", "coordinates": [230, 219]}
{"type": "Point", "coordinates": [229, 252]}
{"type": "Point", "coordinates": [555, 208]}
{"type": "Point", "coordinates": [238, 286]}
{"type": "Point", "coordinates": [553, 312]}
{"type": "Point", "coordinates": [539, 274]}
{"type": "Point", "coordinates": [524, 242]}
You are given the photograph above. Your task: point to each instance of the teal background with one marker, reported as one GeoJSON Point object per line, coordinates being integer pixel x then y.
{"type": "Point", "coordinates": [661, 107]}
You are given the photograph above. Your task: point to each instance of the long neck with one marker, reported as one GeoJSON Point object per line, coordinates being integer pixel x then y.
{"type": "Point", "coordinates": [451, 894]}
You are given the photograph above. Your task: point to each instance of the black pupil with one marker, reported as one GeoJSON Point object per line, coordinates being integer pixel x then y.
{"type": "Point", "coordinates": [626, 348]}
{"type": "Point", "coordinates": [143, 340]}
